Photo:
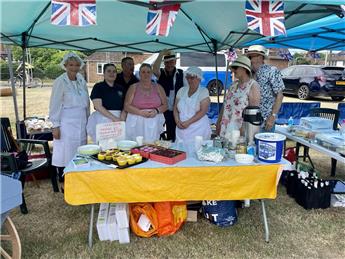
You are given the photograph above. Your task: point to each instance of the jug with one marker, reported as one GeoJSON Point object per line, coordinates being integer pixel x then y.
{"type": "Point", "coordinates": [252, 121]}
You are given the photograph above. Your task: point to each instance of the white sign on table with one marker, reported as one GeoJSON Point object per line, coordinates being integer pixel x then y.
{"type": "Point", "coordinates": [107, 134]}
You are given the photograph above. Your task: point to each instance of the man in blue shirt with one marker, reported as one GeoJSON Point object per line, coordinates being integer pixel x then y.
{"type": "Point", "coordinates": [271, 85]}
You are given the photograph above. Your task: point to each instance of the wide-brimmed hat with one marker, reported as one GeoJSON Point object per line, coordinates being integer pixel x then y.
{"type": "Point", "coordinates": [257, 49]}
{"type": "Point", "coordinates": [194, 71]}
{"type": "Point", "coordinates": [170, 56]}
{"type": "Point", "coordinates": [242, 61]}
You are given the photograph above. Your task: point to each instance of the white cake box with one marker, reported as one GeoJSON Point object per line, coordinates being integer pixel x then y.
{"type": "Point", "coordinates": [102, 222]}
{"type": "Point", "coordinates": [112, 223]}
{"type": "Point", "coordinates": [122, 215]}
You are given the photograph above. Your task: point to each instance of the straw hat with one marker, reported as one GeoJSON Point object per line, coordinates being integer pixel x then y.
{"type": "Point", "coordinates": [194, 71]}
{"type": "Point", "coordinates": [257, 49]}
{"type": "Point", "coordinates": [170, 56]}
{"type": "Point", "coordinates": [242, 61]}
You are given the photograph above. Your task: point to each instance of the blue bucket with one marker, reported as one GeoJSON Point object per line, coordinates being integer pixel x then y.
{"type": "Point", "coordinates": [269, 146]}
{"type": "Point", "coordinates": [220, 213]}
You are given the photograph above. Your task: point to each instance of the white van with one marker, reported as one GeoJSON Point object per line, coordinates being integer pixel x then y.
{"type": "Point", "coordinates": [206, 61]}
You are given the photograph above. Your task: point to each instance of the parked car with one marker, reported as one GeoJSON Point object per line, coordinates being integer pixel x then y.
{"type": "Point", "coordinates": [206, 62]}
{"type": "Point", "coordinates": [314, 81]}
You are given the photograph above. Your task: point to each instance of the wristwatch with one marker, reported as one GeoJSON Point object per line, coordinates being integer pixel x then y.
{"type": "Point", "coordinates": [274, 115]}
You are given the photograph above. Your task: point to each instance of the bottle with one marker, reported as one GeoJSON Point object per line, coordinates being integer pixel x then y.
{"type": "Point", "coordinates": [241, 147]}
{"type": "Point", "coordinates": [290, 122]}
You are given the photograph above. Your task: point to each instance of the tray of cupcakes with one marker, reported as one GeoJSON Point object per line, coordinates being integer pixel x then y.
{"type": "Point", "coordinates": [123, 159]}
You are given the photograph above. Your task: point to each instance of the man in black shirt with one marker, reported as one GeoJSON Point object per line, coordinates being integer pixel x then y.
{"type": "Point", "coordinates": [126, 78]}
{"type": "Point", "coordinates": [171, 79]}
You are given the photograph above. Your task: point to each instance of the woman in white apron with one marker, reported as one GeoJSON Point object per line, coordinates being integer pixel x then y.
{"type": "Point", "coordinates": [107, 98]}
{"type": "Point", "coordinates": [190, 108]}
{"type": "Point", "coordinates": [145, 103]}
{"type": "Point", "coordinates": [68, 110]}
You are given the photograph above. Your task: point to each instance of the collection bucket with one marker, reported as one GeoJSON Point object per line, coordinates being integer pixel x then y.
{"type": "Point", "coordinates": [269, 146]}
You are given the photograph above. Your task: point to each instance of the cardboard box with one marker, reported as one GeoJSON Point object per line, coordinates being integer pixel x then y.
{"type": "Point", "coordinates": [192, 216]}
{"type": "Point", "coordinates": [112, 223]}
{"type": "Point", "coordinates": [102, 222]}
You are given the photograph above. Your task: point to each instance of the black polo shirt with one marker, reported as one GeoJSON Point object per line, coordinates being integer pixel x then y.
{"type": "Point", "coordinates": [121, 81]}
{"type": "Point", "coordinates": [112, 97]}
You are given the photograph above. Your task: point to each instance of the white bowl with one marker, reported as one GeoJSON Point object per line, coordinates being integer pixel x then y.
{"type": "Point", "coordinates": [126, 144]}
{"type": "Point", "coordinates": [89, 150]}
{"type": "Point", "coordinates": [244, 158]}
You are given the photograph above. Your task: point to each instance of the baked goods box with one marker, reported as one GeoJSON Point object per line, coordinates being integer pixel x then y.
{"type": "Point", "coordinates": [145, 150]}
{"type": "Point", "coordinates": [160, 154]}
{"type": "Point", "coordinates": [168, 156]}
{"type": "Point", "coordinates": [333, 141]}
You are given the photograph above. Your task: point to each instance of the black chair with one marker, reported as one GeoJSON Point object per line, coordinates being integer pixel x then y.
{"type": "Point", "coordinates": [326, 113]}
{"type": "Point", "coordinates": [8, 144]}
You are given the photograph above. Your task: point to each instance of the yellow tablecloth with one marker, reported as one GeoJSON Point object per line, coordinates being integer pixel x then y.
{"type": "Point", "coordinates": [172, 184]}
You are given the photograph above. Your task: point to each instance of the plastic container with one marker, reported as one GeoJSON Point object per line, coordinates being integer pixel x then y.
{"type": "Point", "coordinates": [269, 146]}
{"type": "Point", "coordinates": [244, 158]}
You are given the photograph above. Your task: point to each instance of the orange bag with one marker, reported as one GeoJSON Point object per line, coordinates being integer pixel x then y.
{"type": "Point", "coordinates": [171, 216]}
{"type": "Point", "coordinates": [136, 209]}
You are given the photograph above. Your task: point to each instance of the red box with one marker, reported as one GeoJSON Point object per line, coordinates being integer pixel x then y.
{"type": "Point", "coordinates": [168, 156]}
{"type": "Point", "coordinates": [145, 150]}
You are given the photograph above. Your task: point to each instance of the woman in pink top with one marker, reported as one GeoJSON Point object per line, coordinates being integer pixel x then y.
{"type": "Point", "coordinates": [145, 103]}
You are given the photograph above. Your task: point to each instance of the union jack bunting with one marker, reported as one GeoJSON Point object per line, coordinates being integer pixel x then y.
{"type": "Point", "coordinates": [231, 55]}
{"type": "Point", "coordinates": [314, 54]}
{"type": "Point", "coordinates": [266, 17]}
{"type": "Point", "coordinates": [73, 12]}
{"type": "Point", "coordinates": [285, 54]}
{"type": "Point", "coordinates": [160, 20]}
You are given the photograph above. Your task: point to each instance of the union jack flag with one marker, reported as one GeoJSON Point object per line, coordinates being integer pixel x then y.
{"type": "Point", "coordinates": [285, 54]}
{"type": "Point", "coordinates": [266, 17]}
{"type": "Point", "coordinates": [159, 20]}
{"type": "Point", "coordinates": [73, 12]}
{"type": "Point", "coordinates": [231, 55]}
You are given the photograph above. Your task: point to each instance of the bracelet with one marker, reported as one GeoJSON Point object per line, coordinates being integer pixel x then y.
{"type": "Point", "coordinates": [157, 110]}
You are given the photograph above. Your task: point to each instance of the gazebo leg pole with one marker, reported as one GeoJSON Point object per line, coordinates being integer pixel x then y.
{"type": "Point", "coordinates": [92, 212]}
{"type": "Point", "coordinates": [264, 216]}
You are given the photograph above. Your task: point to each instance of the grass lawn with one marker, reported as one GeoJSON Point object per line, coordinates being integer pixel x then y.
{"type": "Point", "coordinates": [53, 229]}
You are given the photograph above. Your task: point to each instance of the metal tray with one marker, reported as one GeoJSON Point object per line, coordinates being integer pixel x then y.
{"type": "Point", "coordinates": [115, 163]}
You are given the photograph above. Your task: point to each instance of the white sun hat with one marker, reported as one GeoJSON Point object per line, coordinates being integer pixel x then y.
{"type": "Point", "coordinates": [68, 56]}
{"type": "Point", "coordinates": [194, 71]}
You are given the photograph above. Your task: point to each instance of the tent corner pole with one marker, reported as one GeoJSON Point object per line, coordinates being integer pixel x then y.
{"type": "Point", "coordinates": [215, 49]}
{"type": "Point", "coordinates": [24, 45]}
{"type": "Point", "coordinates": [14, 94]}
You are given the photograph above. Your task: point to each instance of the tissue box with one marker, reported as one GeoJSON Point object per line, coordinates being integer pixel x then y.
{"type": "Point", "coordinates": [122, 215]}
{"type": "Point", "coordinates": [112, 223]}
{"type": "Point", "coordinates": [102, 222]}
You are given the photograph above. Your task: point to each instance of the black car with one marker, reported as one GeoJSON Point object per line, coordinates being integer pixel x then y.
{"type": "Point", "coordinates": [314, 81]}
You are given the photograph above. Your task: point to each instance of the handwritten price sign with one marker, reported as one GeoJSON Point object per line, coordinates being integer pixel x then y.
{"type": "Point", "coordinates": [111, 130]}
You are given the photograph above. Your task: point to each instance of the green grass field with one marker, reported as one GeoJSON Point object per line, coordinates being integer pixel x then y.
{"type": "Point", "coordinates": [54, 229]}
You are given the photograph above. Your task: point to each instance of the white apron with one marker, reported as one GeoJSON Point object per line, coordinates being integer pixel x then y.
{"type": "Point", "coordinates": [150, 128]}
{"type": "Point", "coordinates": [188, 107]}
{"type": "Point", "coordinates": [97, 118]}
{"type": "Point", "coordinates": [72, 135]}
